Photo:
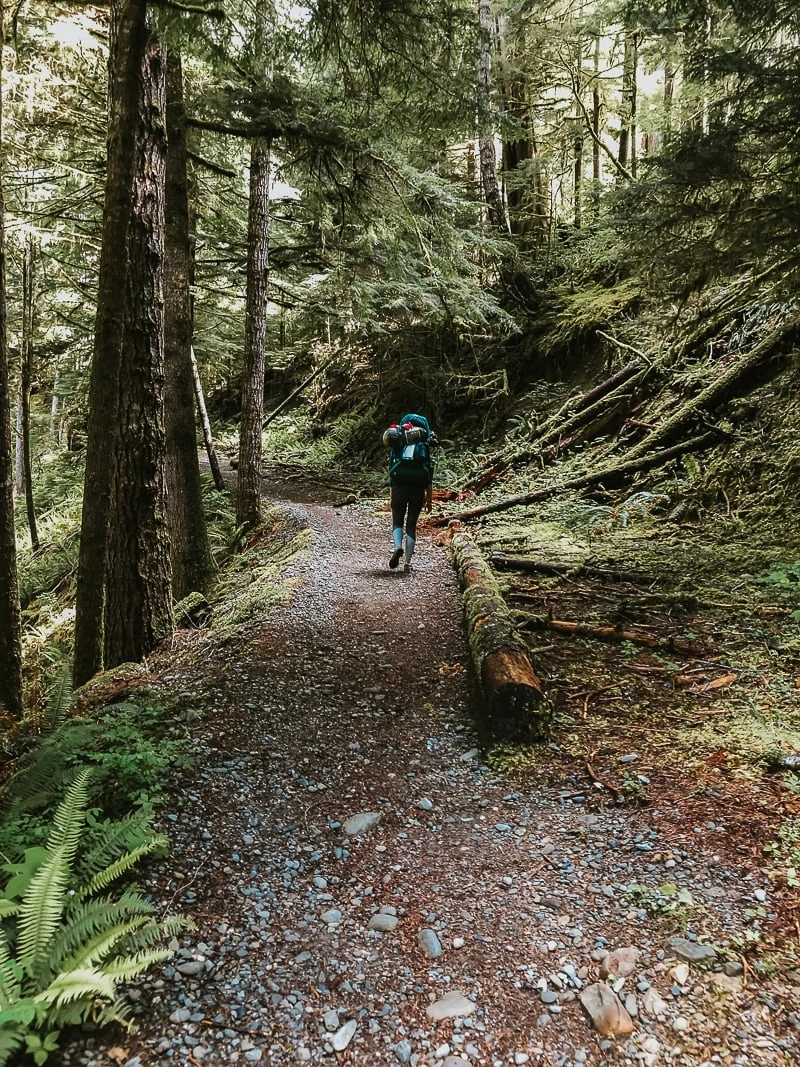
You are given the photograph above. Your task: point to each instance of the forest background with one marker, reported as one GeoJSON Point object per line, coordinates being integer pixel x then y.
{"type": "Point", "coordinates": [566, 231]}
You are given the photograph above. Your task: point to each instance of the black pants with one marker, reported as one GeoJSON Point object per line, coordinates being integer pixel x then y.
{"type": "Point", "coordinates": [407, 501]}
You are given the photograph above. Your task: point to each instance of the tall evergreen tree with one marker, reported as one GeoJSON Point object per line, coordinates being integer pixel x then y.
{"type": "Point", "coordinates": [129, 39]}
{"type": "Point", "coordinates": [10, 624]}
{"type": "Point", "coordinates": [192, 563]}
{"type": "Point", "coordinates": [138, 602]}
{"type": "Point", "coordinates": [248, 499]}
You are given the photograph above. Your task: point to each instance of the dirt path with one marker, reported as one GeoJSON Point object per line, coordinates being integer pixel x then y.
{"type": "Point", "coordinates": [368, 890]}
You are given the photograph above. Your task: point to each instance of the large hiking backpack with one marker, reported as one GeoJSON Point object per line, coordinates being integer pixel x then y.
{"type": "Point", "coordinates": [409, 444]}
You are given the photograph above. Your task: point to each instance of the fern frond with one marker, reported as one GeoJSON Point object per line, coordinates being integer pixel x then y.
{"type": "Point", "coordinates": [70, 816]}
{"type": "Point", "coordinates": [121, 866]}
{"type": "Point", "coordinates": [84, 920]}
{"type": "Point", "coordinates": [8, 907]}
{"type": "Point", "coordinates": [122, 835]}
{"type": "Point", "coordinates": [77, 986]}
{"type": "Point", "coordinates": [37, 776]}
{"type": "Point", "coordinates": [123, 968]}
{"type": "Point", "coordinates": [41, 910]}
{"type": "Point", "coordinates": [154, 933]}
{"type": "Point", "coordinates": [116, 1012]}
{"type": "Point", "coordinates": [10, 1041]}
{"type": "Point", "coordinates": [94, 952]}
{"type": "Point", "coordinates": [58, 701]}
{"type": "Point", "coordinates": [10, 985]}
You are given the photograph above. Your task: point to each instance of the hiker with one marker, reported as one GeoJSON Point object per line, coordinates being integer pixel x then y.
{"type": "Point", "coordinates": [410, 481]}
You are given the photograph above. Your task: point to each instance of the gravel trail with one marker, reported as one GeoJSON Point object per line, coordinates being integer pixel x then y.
{"type": "Point", "coordinates": [369, 891]}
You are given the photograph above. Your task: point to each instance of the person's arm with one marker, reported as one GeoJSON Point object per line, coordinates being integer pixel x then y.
{"type": "Point", "coordinates": [428, 497]}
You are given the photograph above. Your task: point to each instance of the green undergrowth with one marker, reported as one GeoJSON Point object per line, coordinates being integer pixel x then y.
{"type": "Point", "coordinates": [77, 808]}
{"type": "Point", "coordinates": [252, 581]}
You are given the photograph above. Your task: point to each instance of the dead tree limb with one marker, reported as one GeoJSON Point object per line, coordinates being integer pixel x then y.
{"type": "Point", "coordinates": [295, 392]}
{"type": "Point", "coordinates": [205, 424]}
{"type": "Point", "coordinates": [514, 706]}
{"type": "Point", "coordinates": [606, 476]}
{"type": "Point", "coordinates": [720, 388]}
{"type": "Point", "coordinates": [613, 634]}
{"type": "Point", "coordinates": [501, 561]}
{"type": "Point", "coordinates": [552, 427]}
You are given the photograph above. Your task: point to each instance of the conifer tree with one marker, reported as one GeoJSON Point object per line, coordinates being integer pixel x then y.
{"type": "Point", "coordinates": [10, 624]}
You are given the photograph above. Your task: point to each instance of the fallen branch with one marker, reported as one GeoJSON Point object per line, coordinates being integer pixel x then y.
{"type": "Point", "coordinates": [514, 705]}
{"type": "Point", "coordinates": [613, 634]}
{"type": "Point", "coordinates": [616, 793]}
{"type": "Point", "coordinates": [501, 561]}
{"type": "Point", "coordinates": [583, 481]}
{"type": "Point", "coordinates": [295, 392]}
{"type": "Point", "coordinates": [578, 406]}
{"type": "Point", "coordinates": [721, 387]}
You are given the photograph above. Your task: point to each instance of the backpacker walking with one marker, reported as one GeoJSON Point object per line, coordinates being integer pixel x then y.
{"type": "Point", "coordinates": [411, 482]}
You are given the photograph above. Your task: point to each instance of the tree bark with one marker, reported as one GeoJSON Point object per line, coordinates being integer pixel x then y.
{"type": "Point", "coordinates": [10, 618]}
{"type": "Point", "coordinates": [190, 551]}
{"type": "Point", "coordinates": [514, 705]}
{"type": "Point", "coordinates": [613, 634]}
{"type": "Point", "coordinates": [127, 51]}
{"type": "Point", "coordinates": [138, 597]}
{"type": "Point", "coordinates": [248, 500]}
{"type": "Point", "coordinates": [26, 383]}
{"type": "Point", "coordinates": [205, 424]}
{"type": "Point", "coordinates": [486, 148]}
{"type": "Point", "coordinates": [627, 132]}
{"type": "Point", "coordinates": [503, 561]}
{"type": "Point", "coordinates": [597, 111]}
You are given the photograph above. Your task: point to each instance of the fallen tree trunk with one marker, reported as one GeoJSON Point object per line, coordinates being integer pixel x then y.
{"type": "Point", "coordinates": [514, 706]}
{"type": "Point", "coordinates": [610, 475]}
{"type": "Point", "coordinates": [681, 645]}
{"type": "Point", "coordinates": [721, 387]}
{"type": "Point", "coordinates": [501, 561]}
{"type": "Point", "coordinates": [624, 396]}
{"type": "Point", "coordinates": [581, 408]}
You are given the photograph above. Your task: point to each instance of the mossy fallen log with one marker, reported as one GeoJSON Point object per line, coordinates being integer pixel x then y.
{"type": "Point", "coordinates": [514, 706]}
{"type": "Point", "coordinates": [606, 476]}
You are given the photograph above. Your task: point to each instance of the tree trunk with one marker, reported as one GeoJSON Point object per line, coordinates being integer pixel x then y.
{"type": "Point", "coordinates": [10, 620]}
{"type": "Point", "coordinates": [19, 451]}
{"type": "Point", "coordinates": [128, 44]}
{"type": "Point", "coordinates": [577, 166]}
{"type": "Point", "coordinates": [514, 704]}
{"type": "Point", "coordinates": [597, 112]}
{"type": "Point", "coordinates": [248, 500]}
{"type": "Point", "coordinates": [55, 408]}
{"type": "Point", "coordinates": [627, 106]}
{"type": "Point", "coordinates": [138, 596]}
{"type": "Point", "coordinates": [26, 382]}
{"type": "Point", "coordinates": [192, 562]}
{"type": "Point", "coordinates": [205, 424]}
{"type": "Point", "coordinates": [486, 149]}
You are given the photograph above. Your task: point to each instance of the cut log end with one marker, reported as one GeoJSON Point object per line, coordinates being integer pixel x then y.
{"type": "Point", "coordinates": [515, 705]}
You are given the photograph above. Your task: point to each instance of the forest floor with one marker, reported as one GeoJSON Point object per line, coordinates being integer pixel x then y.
{"type": "Point", "coordinates": [372, 885]}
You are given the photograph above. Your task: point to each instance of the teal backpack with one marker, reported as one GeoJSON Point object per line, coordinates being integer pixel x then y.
{"type": "Point", "coordinates": [409, 443]}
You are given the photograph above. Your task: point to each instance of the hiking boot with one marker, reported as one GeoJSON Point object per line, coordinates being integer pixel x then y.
{"type": "Point", "coordinates": [407, 568]}
{"type": "Point", "coordinates": [394, 559]}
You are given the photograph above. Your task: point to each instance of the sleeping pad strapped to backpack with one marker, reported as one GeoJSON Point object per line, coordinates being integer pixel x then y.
{"type": "Point", "coordinates": [409, 444]}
